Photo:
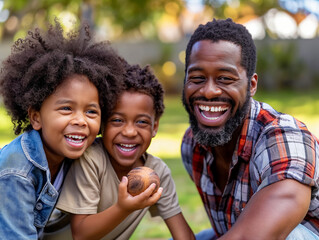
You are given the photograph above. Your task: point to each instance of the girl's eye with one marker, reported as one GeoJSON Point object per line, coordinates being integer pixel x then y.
{"type": "Point", "coordinates": [91, 112]}
{"type": "Point", "coordinates": [65, 109]}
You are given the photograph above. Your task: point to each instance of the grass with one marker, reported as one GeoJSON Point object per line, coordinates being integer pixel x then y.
{"type": "Point", "coordinates": [303, 105]}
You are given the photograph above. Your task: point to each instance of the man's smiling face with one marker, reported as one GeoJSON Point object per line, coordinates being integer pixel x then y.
{"type": "Point", "coordinates": [216, 91]}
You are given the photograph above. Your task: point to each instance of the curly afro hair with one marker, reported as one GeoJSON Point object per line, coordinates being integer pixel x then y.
{"type": "Point", "coordinates": [142, 80]}
{"type": "Point", "coordinates": [227, 30]}
{"type": "Point", "coordinates": [39, 63]}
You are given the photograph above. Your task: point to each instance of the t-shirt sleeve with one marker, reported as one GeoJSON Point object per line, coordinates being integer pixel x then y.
{"type": "Point", "coordinates": [167, 206]}
{"type": "Point", "coordinates": [81, 189]}
{"type": "Point", "coordinates": [286, 154]}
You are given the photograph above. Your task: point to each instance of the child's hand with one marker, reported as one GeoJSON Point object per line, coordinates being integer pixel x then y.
{"type": "Point", "coordinates": [129, 203]}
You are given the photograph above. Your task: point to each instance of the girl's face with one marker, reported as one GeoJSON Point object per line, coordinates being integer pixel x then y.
{"type": "Point", "coordinates": [129, 130]}
{"type": "Point", "coordinates": [69, 119]}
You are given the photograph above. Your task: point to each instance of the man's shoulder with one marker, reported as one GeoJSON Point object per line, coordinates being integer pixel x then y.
{"type": "Point", "coordinates": [267, 118]}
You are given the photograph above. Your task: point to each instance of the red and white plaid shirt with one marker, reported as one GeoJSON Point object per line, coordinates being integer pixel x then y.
{"type": "Point", "coordinates": [272, 147]}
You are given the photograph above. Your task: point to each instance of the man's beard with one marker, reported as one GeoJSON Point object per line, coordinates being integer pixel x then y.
{"type": "Point", "coordinates": [210, 137]}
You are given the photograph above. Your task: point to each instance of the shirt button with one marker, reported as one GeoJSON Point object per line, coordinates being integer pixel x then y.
{"type": "Point", "coordinates": [39, 206]}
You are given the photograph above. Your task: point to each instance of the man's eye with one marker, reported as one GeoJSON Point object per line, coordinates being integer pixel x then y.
{"type": "Point", "coordinates": [196, 79]}
{"type": "Point", "coordinates": [224, 78]}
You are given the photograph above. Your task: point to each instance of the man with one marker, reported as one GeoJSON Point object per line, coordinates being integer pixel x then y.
{"type": "Point", "coordinates": [255, 169]}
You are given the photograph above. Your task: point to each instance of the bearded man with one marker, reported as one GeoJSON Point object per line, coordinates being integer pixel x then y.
{"type": "Point", "coordinates": [255, 169]}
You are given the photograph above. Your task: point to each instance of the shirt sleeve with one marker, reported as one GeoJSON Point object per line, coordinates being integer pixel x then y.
{"type": "Point", "coordinates": [167, 206]}
{"type": "Point", "coordinates": [80, 192]}
{"type": "Point", "coordinates": [286, 153]}
{"type": "Point", "coordinates": [17, 208]}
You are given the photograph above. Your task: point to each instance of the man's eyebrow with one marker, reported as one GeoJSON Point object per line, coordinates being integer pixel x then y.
{"type": "Point", "coordinates": [193, 69]}
{"type": "Point", "coordinates": [228, 69]}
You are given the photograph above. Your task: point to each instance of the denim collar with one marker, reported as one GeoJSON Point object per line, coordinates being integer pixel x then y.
{"type": "Point", "coordinates": [32, 146]}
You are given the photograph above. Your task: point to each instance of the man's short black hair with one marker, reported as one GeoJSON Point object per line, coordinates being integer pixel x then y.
{"type": "Point", "coordinates": [227, 30]}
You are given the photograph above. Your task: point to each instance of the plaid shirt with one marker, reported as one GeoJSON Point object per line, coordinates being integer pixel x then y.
{"type": "Point", "coordinates": [272, 147]}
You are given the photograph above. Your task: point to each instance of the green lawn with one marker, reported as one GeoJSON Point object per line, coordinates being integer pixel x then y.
{"type": "Point", "coordinates": [304, 106]}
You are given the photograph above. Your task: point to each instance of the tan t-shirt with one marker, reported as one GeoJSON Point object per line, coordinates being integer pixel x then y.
{"type": "Point", "coordinates": [91, 186]}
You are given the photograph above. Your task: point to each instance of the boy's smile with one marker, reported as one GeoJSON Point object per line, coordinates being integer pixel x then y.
{"type": "Point", "coordinates": [129, 130]}
{"type": "Point", "coordinates": [69, 119]}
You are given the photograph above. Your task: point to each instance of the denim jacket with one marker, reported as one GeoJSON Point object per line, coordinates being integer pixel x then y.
{"type": "Point", "coordinates": [27, 196]}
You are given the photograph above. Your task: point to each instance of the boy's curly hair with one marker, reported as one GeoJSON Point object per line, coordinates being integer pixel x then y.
{"type": "Point", "coordinates": [39, 63]}
{"type": "Point", "coordinates": [227, 30]}
{"type": "Point", "coordinates": [142, 80]}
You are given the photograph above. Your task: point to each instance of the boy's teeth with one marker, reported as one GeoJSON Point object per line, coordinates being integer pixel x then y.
{"type": "Point", "coordinates": [127, 145]}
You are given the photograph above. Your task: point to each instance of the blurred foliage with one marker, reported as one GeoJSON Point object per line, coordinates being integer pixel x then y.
{"type": "Point", "coordinates": [241, 8]}
{"type": "Point", "coordinates": [127, 17]}
{"type": "Point", "coordinates": [123, 15]}
{"type": "Point", "coordinates": [278, 67]}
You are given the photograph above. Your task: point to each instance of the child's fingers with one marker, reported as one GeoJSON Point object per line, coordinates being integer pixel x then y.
{"type": "Point", "coordinates": [149, 191]}
{"type": "Point", "coordinates": [156, 196]}
{"type": "Point", "coordinates": [123, 185]}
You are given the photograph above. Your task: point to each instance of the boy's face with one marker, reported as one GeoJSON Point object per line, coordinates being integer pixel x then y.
{"type": "Point", "coordinates": [129, 130]}
{"type": "Point", "coordinates": [69, 119]}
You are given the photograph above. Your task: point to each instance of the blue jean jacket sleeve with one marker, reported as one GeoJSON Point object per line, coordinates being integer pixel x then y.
{"type": "Point", "coordinates": [17, 208]}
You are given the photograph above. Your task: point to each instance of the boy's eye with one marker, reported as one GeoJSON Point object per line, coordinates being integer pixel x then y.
{"type": "Point", "coordinates": [116, 120]}
{"type": "Point", "coordinates": [143, 122]}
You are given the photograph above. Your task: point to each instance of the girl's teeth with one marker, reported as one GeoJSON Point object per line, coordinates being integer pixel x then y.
{"type": "Point", "coordinates": [75, 137]}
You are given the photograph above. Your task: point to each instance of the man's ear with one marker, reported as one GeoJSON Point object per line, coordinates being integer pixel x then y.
{"type": "Point", "coordinates": [253, 84]}
{"type": "Point", "coordinates": [35, 118]}
{"type": "Point", "coordinates": [155, 127]}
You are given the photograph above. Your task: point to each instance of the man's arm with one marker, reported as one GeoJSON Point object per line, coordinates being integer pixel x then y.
{"type": "Point", "coordinates": [273, 212]}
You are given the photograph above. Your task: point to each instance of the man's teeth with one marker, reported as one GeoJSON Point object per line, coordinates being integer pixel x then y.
{"type": "Point", "coordinates": [212, 109]}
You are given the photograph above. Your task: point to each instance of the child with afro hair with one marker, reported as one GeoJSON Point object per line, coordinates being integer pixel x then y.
{"type": "Point", "coordinates": [56, 87]}
{"type": "Point", "coordinates": [96, 187]}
